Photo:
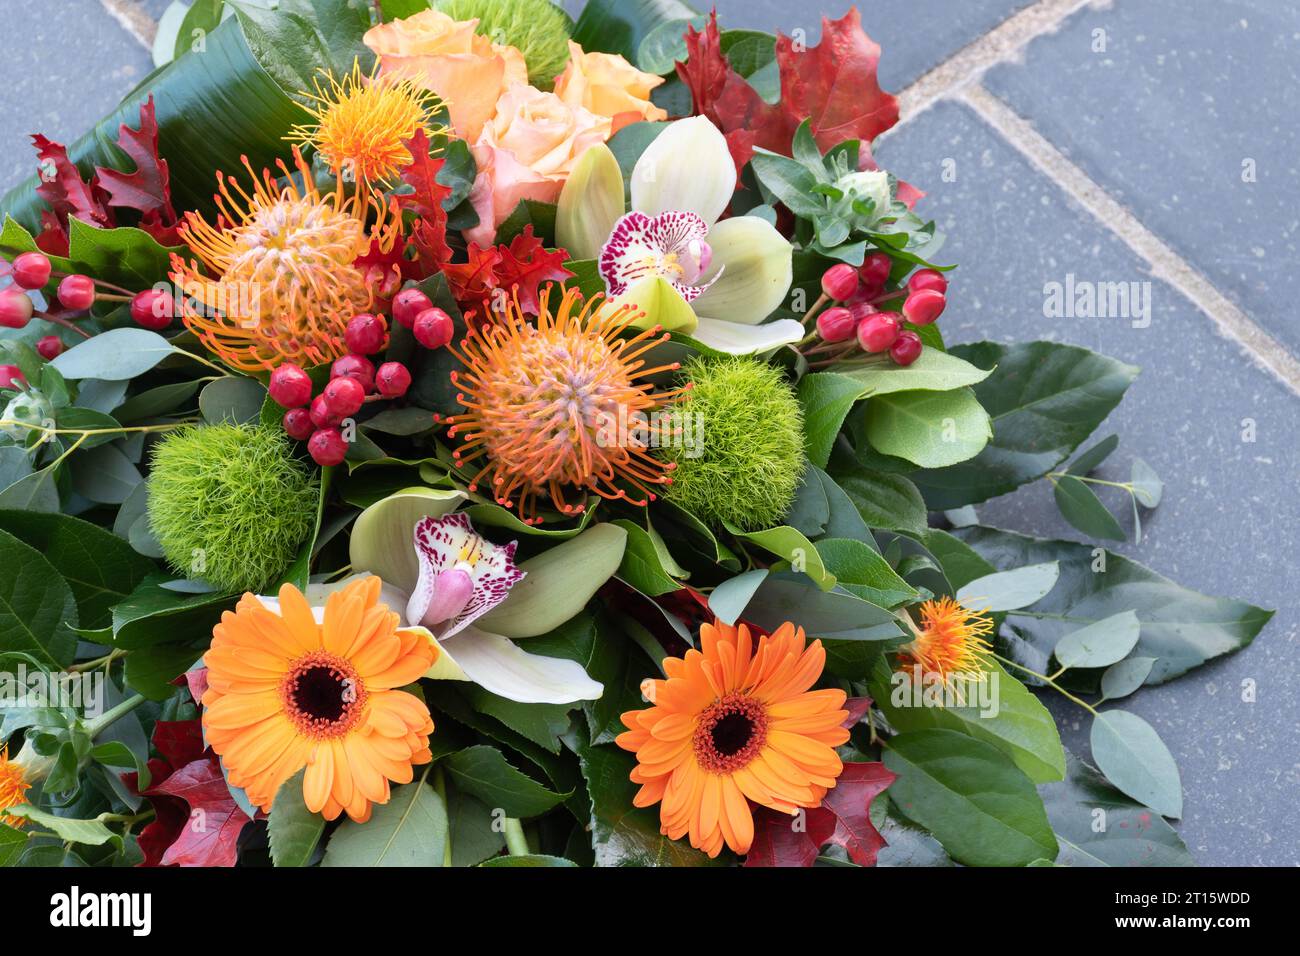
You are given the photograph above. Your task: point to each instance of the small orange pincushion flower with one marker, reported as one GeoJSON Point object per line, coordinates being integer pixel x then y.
{"type": "Point", "coordinates": [734, 724]}
{"type": "Point", "coordinates": [559, 408]}
{"type": "Point", "coordinates": [287, 691]}
{"type": "Point", "coordinates": [363, 122]}
{"type": "Point", "coordinates": [13, 788]}
{"type": "Point", "coordinates": [951, 640]}
{"type": "Point", "coordinates": [283, 259]}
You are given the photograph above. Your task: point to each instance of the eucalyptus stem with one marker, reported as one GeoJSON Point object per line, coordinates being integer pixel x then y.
{"type": "Point", "coordinates": [1050, 683]}
{"type": "Point", "coordinates": [516, 842]}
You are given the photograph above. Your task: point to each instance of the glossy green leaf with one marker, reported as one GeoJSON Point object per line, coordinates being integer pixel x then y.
{"type": "Point", "coordinates": [620, 26]}
{"type": "Point", "coordinates": [642, 565]}
{"type": "Point", "coordinates": [826, 398]}
{"type": "Point", "coordinates": [935, 371]}
{"type": "Point", "coordinates": [37, 609]}
{"type": "Point", "coordinates": [930, 429]}
{"type": "Point", "coordinates": [1124, 677]}
{"type": "Point", "coordinates": [484, 773]}
{"type": "Point", "coordinates": [409, 830]}
{"type": "Point", "coordinates": [153, 614]}
{"type": "Point", "coordinates": [884, 500]}
{"type": "Point", "coordinates": [528, 860]}
{"type": "Point", "coordinates": [793, 546]}
{"type": "Point", "coordinates": [864, 572]}
{"type": "Point", "coordinates": [293, 829]}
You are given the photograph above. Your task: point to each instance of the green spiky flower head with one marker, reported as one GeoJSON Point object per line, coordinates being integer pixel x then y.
{"type": "Point", "coordinates": [539, 29]}
{"type": "Point", "coordinates": [746, 465]}
{"type": "Point", "coordinates": [230, 504]}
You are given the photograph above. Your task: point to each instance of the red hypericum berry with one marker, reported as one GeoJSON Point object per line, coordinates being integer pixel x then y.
{"type": "Point", "coordinates": [298, 424]}
{"type": "Point", "coordinates": [31, 270]}
{"type": "Point", "coordinates": [874, 271]}
{"type": "Point", "coordinates": [355, 366]}
{"type": "Point", "coordinates": [344, 396]}
{"type": "Point", "coordinates": [922, 308]}
{"type": "Point", "coordinates": [409, 303]}
{"type": "Point", "coordinates": [906, 348]}
{"type": "Point", "coordinates": [835, 324]}
{"type": "Point", "coordinates": [392, 380]}
{"type": "Point", "coordinates": [77, 292]}
{"type": "Point", "coordinates": [861, 309]}
{"type": "Point", "coordinates": [321, 415]}
{"type": "Point", "coordinates": [433, 328]}
{"type": "Point", "coordinates": [49, 347]}
{"type": "Point", "coordinates": [840, 281]}
{"type": "Point", "coordinates": [152, 309]}
{"type": "Point", "coordinates": [11, 376]}
{"type": "Point", "coordinates": [15, 308]}
{"type": "Point", "coordinates": [327, 447]}
{"type": "Point", "coordinates": [290, 386]}
{"type": "Point", "coordinates": [927, 279]}
{"type": "Point", "coordinates": [878, 332]}
{"type": "Point", "coordinates": [365, 334]}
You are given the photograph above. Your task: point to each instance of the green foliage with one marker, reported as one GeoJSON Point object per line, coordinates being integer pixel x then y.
{"type": "Point", "coordinates": [753, 446]}
{"type": "Point", "coordinates": [537, 28]}
{"type": "Point", "coordinates": [232, 499]}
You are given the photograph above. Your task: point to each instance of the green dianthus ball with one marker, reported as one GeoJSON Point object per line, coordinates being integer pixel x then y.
{"type": "Point", "coordinates": [539, 29]}
{"type": "Point", "coordinates": [229, 504]}
{"type": "Point", "coordinates": [746, 465]}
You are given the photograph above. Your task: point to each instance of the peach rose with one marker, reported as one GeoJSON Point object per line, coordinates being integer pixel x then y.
{"type": "Point", "coordinates": [608, 85]}
{"type": "Point", "coordinates": [468, 71]}
{"type": "Point", "coordinates": [527, 152]}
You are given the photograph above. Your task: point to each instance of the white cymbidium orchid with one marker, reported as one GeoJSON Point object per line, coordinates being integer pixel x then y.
{"type": "Point", "coordinates": [440, 575]}
{"type": "Point", "coordinates": [672, 258]}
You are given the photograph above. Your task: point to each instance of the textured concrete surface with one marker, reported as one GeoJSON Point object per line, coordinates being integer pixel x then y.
{"type": "Point", "coordinates": [1162, 120]}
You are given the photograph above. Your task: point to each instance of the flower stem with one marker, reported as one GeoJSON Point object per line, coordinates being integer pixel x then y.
{"type": "Point", "coordinates": [109, 716]}
{"type": "Point", "coordinates": [1050, 683]}
{"type": "Point", "coordinates": [516, 842]}
{"type": "Point", "coordinates": [59, 320]}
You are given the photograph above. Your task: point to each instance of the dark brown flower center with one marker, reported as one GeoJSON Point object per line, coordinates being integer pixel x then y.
{"type": "Point", "coordinates": [323, 695]}
{"type": "Point", "coordinates": [730, 734]}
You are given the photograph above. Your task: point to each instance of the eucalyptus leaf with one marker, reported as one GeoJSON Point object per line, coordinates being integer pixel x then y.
{"type": "Point", "coordinates": [114, 355]}
{"type": "Point", "coordinates": [1147, 486]}
{"type": "Point", "coordinates": [1008, 590]}
{"type": "Point", "coordinates": [1081, 507]}
{"type": "Point", "coordinates": [1101, 643]}
{"type": "Point", "coordinates": [1133, 757]}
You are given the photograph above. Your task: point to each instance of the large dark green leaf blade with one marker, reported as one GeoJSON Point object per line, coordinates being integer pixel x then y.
{"type": "Point", "coordinates": [37, 609]}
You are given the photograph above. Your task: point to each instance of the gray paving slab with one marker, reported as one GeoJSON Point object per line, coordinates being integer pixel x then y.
{"type": "Point", "coordinates": [1188, 117]}
{"type": "Point", "coordinates": [1230, 520]}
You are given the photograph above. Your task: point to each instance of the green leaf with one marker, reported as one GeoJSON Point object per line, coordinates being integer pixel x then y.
{"type": "Point", "coordinates": [114, 355]}
{"type": "Point", "coordinates": [935, 371]}
{"type": "Point", "coordinates": [642, 566]}
{"type": "Point", "coordinates": [1100, 644]}
{"type": "Point", "coordinates": [203, 16]}
{"type": "Point", "coordinates": [37, 609]}
{"type": "Point", "coordinates": [826, 398]}
{"type": "Point", "coordinates": [1124, 677]}
{"type": "Point", "coordinates": [789, 543]}
{"type": "Point", "coordinates": [35, 492]}
{"type": "Point", "coordinates": [88, 832]}
{"type": "Point", "coordinates": [1007, 590]}
{"type": "Point", "coordinates": [1089, 460]}
{"type": "Point", "coordinates": [1134, 758]}
{"type": "Point", "coordinates": [864, 572]}
{"type": "Point", "coordinates": [1011, 718]}
{"type": "Point", "coordinates": [729, 599]}
{"type": "Point", "coordinates": [1081, 507]}
{"type": "Point", "coordinates": [475, 832]}
{"type": "Point", "coordinates": [105, 475]}
{"type": "Point", "coordinates": [151, 670]}
{"type": "Point", "coordinates": [409, 830]}
{"type": "Point", "coordinates": [831, 615]}
{"type": "Point", "coordinates": [125, 256]}
{"type": "Point", "coordinates": [156, 402]}
{"type": "Point", "coordinates": [541, 723]}
{"type": "Point", "coordinates": [153, 614]}
{"type": "Point", "coordinates": [884, 500]}
{"type": "Point", "coordinates": [1147, 486]}
{"type": "Point", "coordinates": [789, 181]}
{"type": "Point", "coordinates": [961, 564]}
{"type": "Point", "coordinates": [232, 399]}
{"type": "Point", "coordinates": [975, 801]}
{"type": "Point", "coordinates": [100, 568]}
{"type": "Point", "coordinates": [1096, 825]}
{"type": "Point", "coordinates": [621, 834]}
{"type": "Point", "coordinates": [12, 844]}
{"type": "Point", "coordinates": [930, 429]}
{"type": "Point", "coordinates": [294, 830]}
{"type": "Point", "coordinates": [1180, 628]}
{"type": "Point", "coordinates": [531, 859]}
{"type": "Point", "coordinates": [483, 772]}
{"type": "Point", "coordinates": [1044, 398]}
{"type": "Point", "coordinates": [621, 26]}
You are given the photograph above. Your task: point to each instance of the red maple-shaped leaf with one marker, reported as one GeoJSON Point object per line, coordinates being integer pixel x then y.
{"type": "Point", "coordinates": [196, 820]}
{"type": "Point", "coordinates": [526, 264]}
{"type": "Point", "coordinates": [67, 194]}
{"type": "Point", "coordinates": [472, 281]}
{"type": "Point", "coordinates": [429, 232]}
{"type": "Point", "coordinates": [148, 189]}
{"type": "Point", "coordinates": [844, 818]}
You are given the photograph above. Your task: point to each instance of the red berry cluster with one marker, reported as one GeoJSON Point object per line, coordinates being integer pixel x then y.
{"type": "Point", "coordinates": [859, 318]}
{"type": "Point", "coordinates": [151, 309]}
{"type": "Point", "coordinates": [354, 380]}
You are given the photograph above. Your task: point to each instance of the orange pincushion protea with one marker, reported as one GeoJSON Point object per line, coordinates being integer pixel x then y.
{"type": "Point", "coordinates": [13, 788]}
{"type": "Point", "coordinates": [286, 691]}
{"type": "Point", "coordinates": [363, 122]}
{"type": "Point", "coordinates": [559, 407]}
{"type": "Point", "coordinates": [952, 639]}
{"type": "Point", "coordinates": [283, 258]}
{"type": "Point", "coordinates": [734, 724]}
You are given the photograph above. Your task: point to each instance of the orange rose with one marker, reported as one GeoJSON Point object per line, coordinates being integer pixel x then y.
{"type": "Point", "coordinates": [468, 71]}
{"type": "Point", "coordinates": [608, 85]}
{"type": "Point", "coordinates": [527, 152]}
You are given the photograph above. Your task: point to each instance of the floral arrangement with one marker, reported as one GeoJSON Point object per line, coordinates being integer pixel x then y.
{"type": "Point", "coordinates": [452, 434]}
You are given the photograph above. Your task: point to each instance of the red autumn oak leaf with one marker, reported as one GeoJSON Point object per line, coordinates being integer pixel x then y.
{"type": "Point", "coordinates": [526, 264]}
{"type": "Point", "coordinates": [844, 818]}
{"type": "Point", "coordinates": [67, 195]}
{"type": "Point", "coordinates": [429, 234]}
{"type": "Point", "coordinates": [148, 189]}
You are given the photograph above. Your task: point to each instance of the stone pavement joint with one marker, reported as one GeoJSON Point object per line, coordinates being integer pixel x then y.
{"type": "Point", "coordinates": [134, 20]}
{"type": "Point", "coordinates": [1165, 263]}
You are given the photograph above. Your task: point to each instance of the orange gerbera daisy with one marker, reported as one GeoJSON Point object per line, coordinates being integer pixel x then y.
{"type": "Point", "coordinates": [278, 280]}
{"type": "Point", "coordinates": [734, 724]}
{"type": "Point", "coordinates": [13, 787]}
{"type": "Point", "coordinates": [287, 691]}
{"type": "Point", "coordinates": [561, 406]}
{"type": "Point", "coordinates": [951, 639]}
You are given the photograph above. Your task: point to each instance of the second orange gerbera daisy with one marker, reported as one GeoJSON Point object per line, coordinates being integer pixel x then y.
{"type": "Point", "coordinates": [287, 691]}
{"type": "Point", "coordinates": [735, 723]}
